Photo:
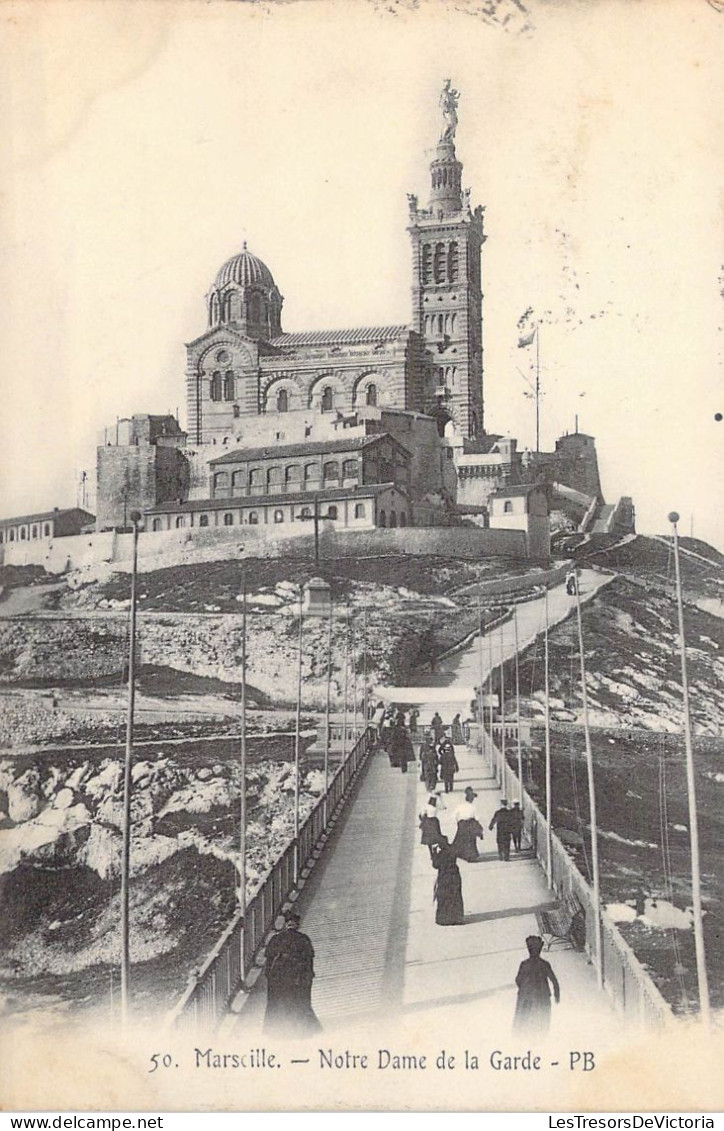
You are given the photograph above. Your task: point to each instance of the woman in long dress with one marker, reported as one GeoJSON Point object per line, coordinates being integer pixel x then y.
{"type": "Point", "coordinates": [428, 764]}
{"type": "Point", "coordinates": [534, 978]}
{"type": "Point", "coordinates": [456, 731]}
{"type": "Point", "coordinates": [469, 829]}
{"type": "Point", "coordinates": [448, 892]}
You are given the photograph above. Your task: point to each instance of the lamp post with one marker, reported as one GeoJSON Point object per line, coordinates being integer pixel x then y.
{"type": "Point", "coordinates": [128, 764]}
{"type": "Point", "coordinates": [691, 792]}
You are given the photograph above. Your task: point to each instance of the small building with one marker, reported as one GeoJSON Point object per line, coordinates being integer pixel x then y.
{"type": "Point", "coordinates": [523, 508]}
{"type": "Point", "coordinates": [45, 525]}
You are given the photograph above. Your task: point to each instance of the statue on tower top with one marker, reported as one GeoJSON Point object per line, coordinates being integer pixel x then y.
{"type": "Point", "coordinates": [449, 99]}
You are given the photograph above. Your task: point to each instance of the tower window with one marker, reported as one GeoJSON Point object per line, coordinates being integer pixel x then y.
{"type": "Point", "coordinates": [216, 387]}
{"type": "Point", "coordinates": [439, 264]}
{"type": "Point", "coordinates": [331, 469]}
{"type": "Point", "coordinates": [426, 263]}
{"type": "Point", "coordinates": [452, 262]}
{"type": "Point", "coordinates": [371, 394]}
{"type": "Point", "coordinates": [229, 386]}
{"type": "Point", "coordinates": [282, 401]}
{"type": "Point", "coordinates": [327, 402]}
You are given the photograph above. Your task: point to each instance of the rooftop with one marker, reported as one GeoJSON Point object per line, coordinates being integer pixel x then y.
{"type": "Point", "coordinates": [43, 516]}
{"type": "Point", "coordinates": [235, 501]}
{"type": "Point", "coordinates": [341, 337]}
{"type": "Point", "coordinates": [318, 447]}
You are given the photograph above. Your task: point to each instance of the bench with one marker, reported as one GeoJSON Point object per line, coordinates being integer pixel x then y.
{"type": "Point", "coordinates": [565, 924]}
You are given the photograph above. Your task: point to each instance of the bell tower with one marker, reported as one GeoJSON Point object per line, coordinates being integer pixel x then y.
{"type": "Point", "coordinates": [447, 238]}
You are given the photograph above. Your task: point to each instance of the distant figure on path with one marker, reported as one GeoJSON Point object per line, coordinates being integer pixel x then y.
{"type": "Point", "coordinates": [516, 824]}
{"type": "Point", "coordinates": [457, 731]}
{"type": "Point", "coordinates": [414, 716]}
{"type": "Point", "coordinates": [438, 727]}
{"type": "Point", "coordinates": [289, 970]}
{"type": "Point", "coordinates": [448, 764]}
{"type": "Point", "coordinates": [533, 1007]}
{"type": "Point", "coordinates": [501, 824]}
{"type": "Point", "coordinates": [469, 829]}
{"type": "Point", "coordinates": [571, 583]}
{"type": "Point", "coordinates": [428, 764]}
{"type": "Point", "coordinates": [401, 749]}
{"type": "Point", "coordinates": [448, 892]}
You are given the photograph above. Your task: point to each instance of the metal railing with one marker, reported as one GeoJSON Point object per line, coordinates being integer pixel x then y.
{"type": "Point", "coordinates": [626, 981]}
{"type": "Point", "coordinates": [212, 989]}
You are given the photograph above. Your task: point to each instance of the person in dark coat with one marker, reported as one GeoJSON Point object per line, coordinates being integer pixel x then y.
{"type": "Point", "coordinates": [516, 824]}
{"type": "Point", "coordinates": [501, 824]}
{"type": "Point", "coordinates": [401, 750]}
{"type": "Point", "coordinates": [289, 969]}
{"type": "Point", "coordinates": [456, 731]}
{"type": "Point", "coordinates": [533, 1007]}
{"type": "Point", "coordinates": [431, 833]}
{"type": "Point", "coordinates": [448, 893]}
{"type": "Point", "coordinates": [428, 764]}
{"type": "Point", "coordinates": [438, 727]}
{"type": "Point", "coordinates": [414, 716]}
{"type": "Point", "coordinates": [448, 764]}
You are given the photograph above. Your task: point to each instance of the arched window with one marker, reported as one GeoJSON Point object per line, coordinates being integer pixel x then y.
{"type": "Point", "coordinates": [371, 395]}
{"type": "Point", "coordinates": [11, 537]}
{"type": "Point", "coordinates": [215, 389]}
{"type": "Point", "coordinates": [180, 521]}
{"type": "Point", "coordinates": [393, 518]}
{"type": "Point", "coordinates": [327, 401]}
{"type": "Point", "coordinates": [452, 262]}
{"type": "Point", "coordinates": [22, 534]}
{"type": "Point", "coordinates": [46, 530]}
{"type": "Point", "coordinates": [453, 320]}
{"type": "Point", "coordinates": [279, 516]}
{"type": "Point", "coordinates": [256, 480]}
{"type": "Point", "coordinates": [203, 520]}
{"type": "Point", "coordinates": [332, 512]}
{"type": "Point", "coordinates": [228, 386]}
{"type": "Point", "coordinates": [35, 532]}
{"type": "Point", "coordinates": [214, 310]}
{"type": "Point", "coordinates": [293, 477]}
{"type": "Point", "coordinates": [256, 309]}
{"type": "Point", "coordinates": [359, 510]}
{"type": "Point", "coordinates": [311, 472]}
{"type": "Point", "coordinates": [275, 478]}
{"type": "Point", "coordinates": [233, 306]}
{"type": "Point", "coordinates": [440, 324]}
{"type": "Point", "coordinates": [439, 264]}
{"type": "Point", "coordinates": [331, 469]}
{"type": "Point", "coordinates": [221, 483]}
{"type": "Point", "coordinates": [238, 482]}
{"type": "Point", "coordinates": [156, 525]}
{"type": "Point", "coordinates": [253, 518]}
{"type": "Point", "coordinates": [282, 401]}
{"type": "Point", "coordinates": [403, 519]}
{"type": "Point", "coordinates": [228, 519]}
{"type": "Point", "coordinates": [383, 518]}
{"type": "Point", "coordinates": [426, 263]}
{"type": "Point", "coordinates": [350, 469]}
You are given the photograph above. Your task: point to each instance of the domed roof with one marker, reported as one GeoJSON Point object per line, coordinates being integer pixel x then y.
{"type": "Point", "coordinates": [244, 269]}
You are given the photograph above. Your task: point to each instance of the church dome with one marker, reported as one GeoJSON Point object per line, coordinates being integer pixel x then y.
{"type": "Point", "coordinates": [244, 269]}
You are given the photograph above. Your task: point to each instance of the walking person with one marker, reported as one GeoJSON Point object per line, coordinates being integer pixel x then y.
{"type": "Point", "coordinates": [469, 829]}
{"type": "Point", "coordinates": [438, 727]}
{"type": "Point", "coordinates": [289, 969]}
{"type": "Point", "coordinates": [534, 978]}
{"type": "Point", "coordinates": [448, 764]}
{"type": "Point", "coordinates": [456, 731]}
{"type": "Point", "coordinates": [401, 749]}
{"type": "Point", "coordinates": [501, 824]}
{"type": "Point", "coordinates": [516, 825]}
{"type": "Point", "coordinates": [428, 764]}
{"type": "Point", "coordinates": [431, 833]}
{"type": "Point", "coordinates": [414, 716]}
{"type": "Point", "coordinates": [448, 892]}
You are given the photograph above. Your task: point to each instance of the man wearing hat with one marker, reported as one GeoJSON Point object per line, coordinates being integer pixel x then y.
{"type": "Point", "coordinates": [503, 830]}
{"type": "Point", "coordinates": [289, 970]}
{"type": "Point", "coordinates": [469, 829]}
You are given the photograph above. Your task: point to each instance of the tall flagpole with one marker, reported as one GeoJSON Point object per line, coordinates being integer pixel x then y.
{"type": "Point", "coordinates": [242, 836]}
{"type": "Point", "coordinates": [591, 798]}
{"type": "Point", "coordinates": [328, 721]}
{"type": "Point", "coordinates": [704, 1007]}
{"type": "Point", "coordinates": [298, 739]}
{"type": "Point", "coordinates": [537, 387]}
{"type": "Point", "coordinates": [501, 767]}
{"type": "Point", "coordinates": [517, 707]}
{"type": "Point", "coordinates": [135, 517]}
{"type": "Point", "coordinates": [549, 803]}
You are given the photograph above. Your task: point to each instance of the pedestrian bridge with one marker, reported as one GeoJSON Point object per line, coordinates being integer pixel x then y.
{"type": "Point", "coordinates": [363, 885]}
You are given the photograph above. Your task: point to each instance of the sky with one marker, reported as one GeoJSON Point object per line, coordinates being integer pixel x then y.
{"type": "Point", "coordinates": [142, 143]}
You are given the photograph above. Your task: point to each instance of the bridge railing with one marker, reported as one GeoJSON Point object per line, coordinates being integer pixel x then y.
{"type": "Point", "coordinates": [624, 978]}
{"type": "Point", "coordinates": [212, 989]}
